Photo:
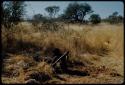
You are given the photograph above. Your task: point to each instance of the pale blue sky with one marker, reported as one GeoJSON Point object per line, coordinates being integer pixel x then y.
{"type": "Point", "coordinates": [103, 8]}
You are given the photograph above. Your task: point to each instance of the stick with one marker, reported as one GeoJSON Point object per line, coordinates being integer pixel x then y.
{"type": "Point", "coordinates": [60, 58]}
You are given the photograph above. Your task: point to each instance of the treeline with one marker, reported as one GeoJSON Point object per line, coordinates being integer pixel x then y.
{"type": "Point", "coordinates": [13, 11]}
{"type": "Point", "coordinates": [114, 18]}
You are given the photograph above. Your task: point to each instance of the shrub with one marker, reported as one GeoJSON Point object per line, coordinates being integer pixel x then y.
{"type": "Point", "coordinates": [95, 19]}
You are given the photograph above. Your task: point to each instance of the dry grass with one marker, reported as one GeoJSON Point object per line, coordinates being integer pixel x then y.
{"type": "Point", "coordinates": [98, 45]}
{"type": "Point", "coordinates": [17, 68]}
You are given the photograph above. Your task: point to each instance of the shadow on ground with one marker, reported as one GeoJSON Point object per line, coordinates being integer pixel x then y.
{"type": "Point", "coordinates": [77, 73]}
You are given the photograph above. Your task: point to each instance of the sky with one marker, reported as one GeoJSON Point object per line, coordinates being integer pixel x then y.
{"type": "Point", "coordinates": [103, 8]}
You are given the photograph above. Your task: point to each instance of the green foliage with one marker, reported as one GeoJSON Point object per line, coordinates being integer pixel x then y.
{"type": "Point", "coordinates": [62, 17]}
{"type": "Point", "coordinates": [38, 17]}
{"type": "Point", "coordinates": [115, 18]}
{"type": "Point", "coordinates": [71, 9]}
{"type": "Point", "coordinates": [52, 10]}
{"type": "Point", "coordinates": [95, 19]}
{"type": "Point", "coordinates": [12, 12]}
{"type": "Point", "coordinates": [77, 11]}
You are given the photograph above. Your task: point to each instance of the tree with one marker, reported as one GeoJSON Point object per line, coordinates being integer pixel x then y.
{"type": "Point", "coordinates": [6, 13]}
{"type": "Point", "coordinates": [114, 13]}
{"type": "Point", "coordinates": [120, 18]}
{"type": "Point", "coordinates": [95, 19]}
{"type": "Point", "coordinates": [13, 11]}
{"type": "Point", "coordinates": [17, 11]}
{"type": "Point", "coordinates": [115, 18]}
{"type": "Point", "coordinates": [56, 10]}
{"type": "Point", "coordinates": [77, 12]}
{"type": "Point", "coordinates": [62, 17]}
{"type": "Point", "coordinates": [38, 17]}
{"type": "Point", "coordinates": [52, 10]}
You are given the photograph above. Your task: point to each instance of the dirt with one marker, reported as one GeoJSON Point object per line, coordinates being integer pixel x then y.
{"type": "Point", "coordinates": [96, 73]}
{"type": "Point", "coordinates": [99, 76]}
{"type": "Point", "coordinates": [103, 71]}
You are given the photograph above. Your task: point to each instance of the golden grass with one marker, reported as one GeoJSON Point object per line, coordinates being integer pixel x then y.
{"type": "Point", "coordinates": [86, 44]}
{"type": "Point", "coordinates": [17, 63]}
{"type": "Point", "coordinates": [43, 67]}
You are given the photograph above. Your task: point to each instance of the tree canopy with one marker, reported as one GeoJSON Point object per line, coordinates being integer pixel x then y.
{"type": "Point", "coordinates": [13, 11]}
{"type": "Point", "coordinates": [52, 10]}
{"type": "Point", "coordinates": [95, 19]}
{"type": "Point", "coordinates": [77, 12]}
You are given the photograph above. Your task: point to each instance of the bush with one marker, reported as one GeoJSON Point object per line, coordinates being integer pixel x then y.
{"type": "Point", "coordinates": [51, 26]}
{"type": "Point", "coordinates": [95, 19]}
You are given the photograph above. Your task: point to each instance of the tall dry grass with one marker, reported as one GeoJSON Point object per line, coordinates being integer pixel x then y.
{"type": "Point", "coordinates": [102, 40]}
